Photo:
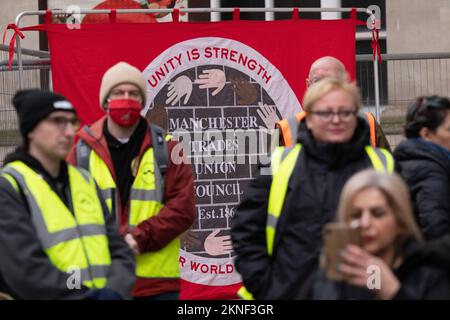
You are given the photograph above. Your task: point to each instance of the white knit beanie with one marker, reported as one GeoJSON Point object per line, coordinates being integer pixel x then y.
{"type": "Point", "coordinates": [120, 73]}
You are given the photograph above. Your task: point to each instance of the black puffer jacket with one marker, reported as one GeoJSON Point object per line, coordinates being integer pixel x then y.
{"type": "Point", "coordinates": [311, 201]}
{"type": "Point", "coordinates": [420, 280]}
{"type": "Point", "coordinates": [427, 173]}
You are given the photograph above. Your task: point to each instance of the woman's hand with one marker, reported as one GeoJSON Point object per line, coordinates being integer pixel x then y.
{"type": "Point", "coordinates": [358, 265]}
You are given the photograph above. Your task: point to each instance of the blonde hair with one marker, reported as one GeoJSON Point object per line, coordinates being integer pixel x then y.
{"type": "Point", "coordinates": [396, 193]}
{"type": "Point", "coordinates": [321, 88]}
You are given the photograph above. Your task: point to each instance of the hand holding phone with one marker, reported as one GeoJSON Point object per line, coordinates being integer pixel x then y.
{"type": "Point", "coordinates": [336, 236]}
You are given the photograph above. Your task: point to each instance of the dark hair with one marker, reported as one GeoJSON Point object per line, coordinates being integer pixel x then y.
{"type": "Point", "coordinates": [429, 112]}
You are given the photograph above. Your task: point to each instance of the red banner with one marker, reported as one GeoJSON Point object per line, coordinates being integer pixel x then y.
{"type": "Point", "coordinates": [210, 76]}
{"type": "Point", "coordinates": [79, 57]}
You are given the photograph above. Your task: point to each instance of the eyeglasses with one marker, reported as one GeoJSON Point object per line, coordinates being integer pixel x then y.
{"type": "Point", "coordinates": [61, 122]}
{"type": "Point", "coordinates": [344, 115]}
{"type": "Point", "coordinates": [132, 94]}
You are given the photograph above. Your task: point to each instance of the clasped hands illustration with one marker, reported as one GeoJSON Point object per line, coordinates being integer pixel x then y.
{"type": "Point", "coordinates": [214, 79]}
{"type": "Point", "coordinates": [182, 86]}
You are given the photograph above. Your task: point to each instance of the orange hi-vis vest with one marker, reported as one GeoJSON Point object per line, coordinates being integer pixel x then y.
{"type": "Point", "coordinates": [288, 128]}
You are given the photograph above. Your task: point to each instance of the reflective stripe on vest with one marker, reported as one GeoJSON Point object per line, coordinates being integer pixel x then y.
{"type": "Point", "coordinates": [381, 159]}
{"type": "Point", "coordinates": [371, 121]}
{"type": "Point", "coordinates": [289, 128]}
{"type": "Point", "coordinates": [146, 200]}
{"type": "Point", "coordinates": [282, 166]}
{"type": "Point", "coordinates": [83, 152]}
{"type": "Point", "coordinates": [283, 162]}
{"type": "Point", "coordinates": [71, 241]}
{"type": "Point", "coordinates": [244, 294]}
{"type": "Point", "coordinates": [89, 160]}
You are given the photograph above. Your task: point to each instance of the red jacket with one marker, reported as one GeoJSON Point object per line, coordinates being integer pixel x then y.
{"type": "Point", "coordinates": [175, 217]}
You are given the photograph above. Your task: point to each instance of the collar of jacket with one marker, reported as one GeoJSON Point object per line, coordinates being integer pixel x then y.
{"type": "Point", "coordinates": [138, 132]}
{"type": "Point", "coordinates": [21, 155]}
{"type": "Point", "coordinates": [436, 147]}
{"type": "Point", "coordinates": [335, 155]}
{"type": "Point", "coordinates": [58, 184]}
{"type": "Point", "coordinates": [416, 149]}
{"type": "Point", "coordinates": [95, 138]}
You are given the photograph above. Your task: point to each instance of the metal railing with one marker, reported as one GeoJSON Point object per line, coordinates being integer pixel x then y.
{"type": "Point", "coordinates": [181, 10]}
{"type": "Point", "coordinates": [403, 77]}
{"type": "Point", "coordinates": [386, 88]}
{"type": "Point", "coordinates": [35, 61]}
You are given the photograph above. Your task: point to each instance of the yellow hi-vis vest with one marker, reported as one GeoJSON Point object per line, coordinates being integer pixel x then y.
{"type": "Point", "coordinates": [73, 242]}
{"type": "Point", "coordinates": [282, 164]}
{"type": "Point", "coordinates": [146, 196]}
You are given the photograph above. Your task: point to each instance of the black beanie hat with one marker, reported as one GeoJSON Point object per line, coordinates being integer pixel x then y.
{"type": "Point", "coordinates": [33, 105]}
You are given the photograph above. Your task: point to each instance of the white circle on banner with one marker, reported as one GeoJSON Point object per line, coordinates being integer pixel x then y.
{"type": "Point", "coordinates": [163, 70]}
{"type": "Point", "coordinates": [170, 79]}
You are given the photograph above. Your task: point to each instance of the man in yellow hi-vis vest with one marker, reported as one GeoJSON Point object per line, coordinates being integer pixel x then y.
{"type": "Point", "coordinates": [150, 194]}
{"type": "Point", "coordinates": [57, 238]}
{"type": "Point", "coordinates": [277, 228]}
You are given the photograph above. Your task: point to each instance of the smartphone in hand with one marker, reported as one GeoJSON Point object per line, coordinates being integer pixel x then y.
{"type": "Point", "coordinates": [336, 236]}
